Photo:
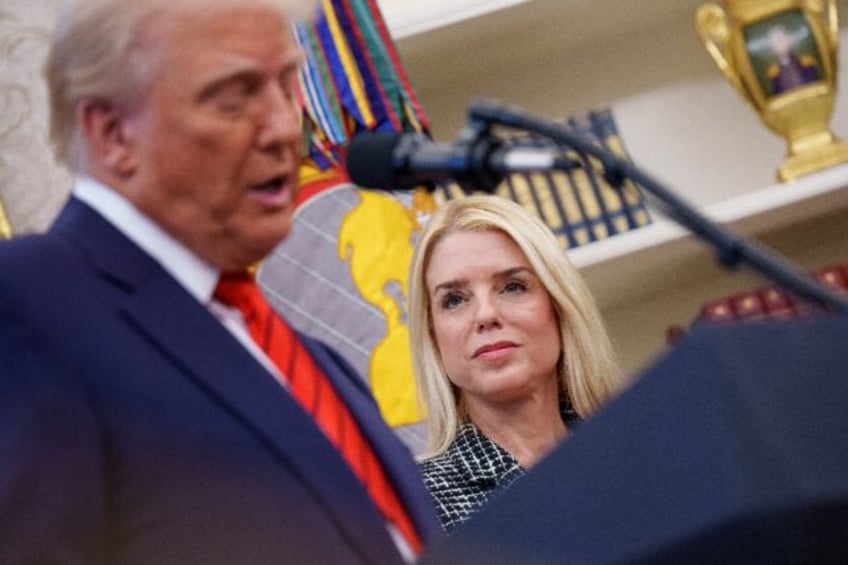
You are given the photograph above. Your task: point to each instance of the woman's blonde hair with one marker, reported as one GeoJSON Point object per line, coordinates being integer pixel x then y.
{"type": "Point", "coordinates": [93, 54]}
{"type": "Point", "coordinates": [589, 374]}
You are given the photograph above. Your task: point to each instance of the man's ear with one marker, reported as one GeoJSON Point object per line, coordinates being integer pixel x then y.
{"type": "Point", "coordinates": [104, 127]}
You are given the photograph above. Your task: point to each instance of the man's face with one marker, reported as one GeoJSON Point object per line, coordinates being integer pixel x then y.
{"type": "Point", "coordinates": [781, 41]}
{"type": "Point", "coordinates": [215, 138]}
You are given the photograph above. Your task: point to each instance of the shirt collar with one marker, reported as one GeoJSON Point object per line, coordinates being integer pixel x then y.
{"type": "Point", "coordinates": [193, 273]}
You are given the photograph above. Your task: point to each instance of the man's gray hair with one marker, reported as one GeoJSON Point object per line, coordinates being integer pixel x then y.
{"type": "Point", "coordinates": [92, 55]}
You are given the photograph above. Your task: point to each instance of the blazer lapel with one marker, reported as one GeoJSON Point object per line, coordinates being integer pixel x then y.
{"type": "Point", "coordinates": [209, 355]}
{"type": "Point", "coordinates": [397, 461]}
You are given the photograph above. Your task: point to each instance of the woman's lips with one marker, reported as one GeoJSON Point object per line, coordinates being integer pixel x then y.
{"type": "Point", "coordinates": [491, 349]}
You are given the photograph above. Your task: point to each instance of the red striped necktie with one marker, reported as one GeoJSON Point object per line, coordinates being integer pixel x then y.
{"type": "Point", "coordinates": [312, 389]}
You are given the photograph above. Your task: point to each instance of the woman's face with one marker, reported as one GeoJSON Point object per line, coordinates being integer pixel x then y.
{"type": "Point", "coordinates": [493, 320]}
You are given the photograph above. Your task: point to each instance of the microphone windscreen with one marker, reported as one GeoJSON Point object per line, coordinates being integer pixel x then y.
{"type": "Point", "coordinates": [370, 159]}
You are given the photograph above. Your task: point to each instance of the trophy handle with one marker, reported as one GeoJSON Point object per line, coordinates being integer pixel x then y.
{"type": "Point", "coordinates": [827, 10]}
{"type": "Point", "coordinates": [712, 26]}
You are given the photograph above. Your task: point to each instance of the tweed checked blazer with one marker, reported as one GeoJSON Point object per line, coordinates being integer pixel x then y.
{"type": "Point", "coordinates": [472, 471]}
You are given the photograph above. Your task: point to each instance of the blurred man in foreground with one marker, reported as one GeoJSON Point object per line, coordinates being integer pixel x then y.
{"type": "Point", "coordinates": [152, 407]}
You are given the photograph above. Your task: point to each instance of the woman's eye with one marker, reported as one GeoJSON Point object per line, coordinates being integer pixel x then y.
{"type": "Point", "coordinates": [451, 300]}
{"type": "Point", "coordinates": [514, 287]}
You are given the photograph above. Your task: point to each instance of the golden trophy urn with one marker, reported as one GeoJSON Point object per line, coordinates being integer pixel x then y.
{"type": "Point", "coordinates": [780, 56]}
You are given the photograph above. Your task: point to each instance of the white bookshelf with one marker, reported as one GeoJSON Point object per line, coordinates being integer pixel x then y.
{"type": "Point", "coordinates": [678, 119]}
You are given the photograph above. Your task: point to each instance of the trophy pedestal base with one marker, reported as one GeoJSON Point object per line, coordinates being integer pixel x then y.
{"type": "Point", "coordinates": [811, 161]}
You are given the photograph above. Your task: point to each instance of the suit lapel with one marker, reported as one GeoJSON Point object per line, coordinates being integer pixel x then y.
{"type": "Point", "coordinates": [182, 329]}
{"type": "Point", "coordinates": [399, 466]}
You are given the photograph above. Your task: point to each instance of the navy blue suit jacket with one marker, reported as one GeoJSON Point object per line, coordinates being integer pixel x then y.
{"type": "Point", "coordinates": [135, 429]}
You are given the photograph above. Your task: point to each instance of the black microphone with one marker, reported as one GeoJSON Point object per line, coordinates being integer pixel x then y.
{"type": "Point", "coordinates": [403, 161]}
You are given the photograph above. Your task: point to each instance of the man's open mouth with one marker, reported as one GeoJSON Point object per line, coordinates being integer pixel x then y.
{"type": "Point", "coordinates": [272, 185]}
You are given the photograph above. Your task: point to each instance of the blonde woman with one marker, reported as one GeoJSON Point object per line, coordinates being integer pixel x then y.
{"type": "Point", "coordinates": [508, 346]}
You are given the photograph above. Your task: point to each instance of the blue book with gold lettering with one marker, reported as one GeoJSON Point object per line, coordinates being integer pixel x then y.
{"type": "Point", "coordinates": [579, 205]}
